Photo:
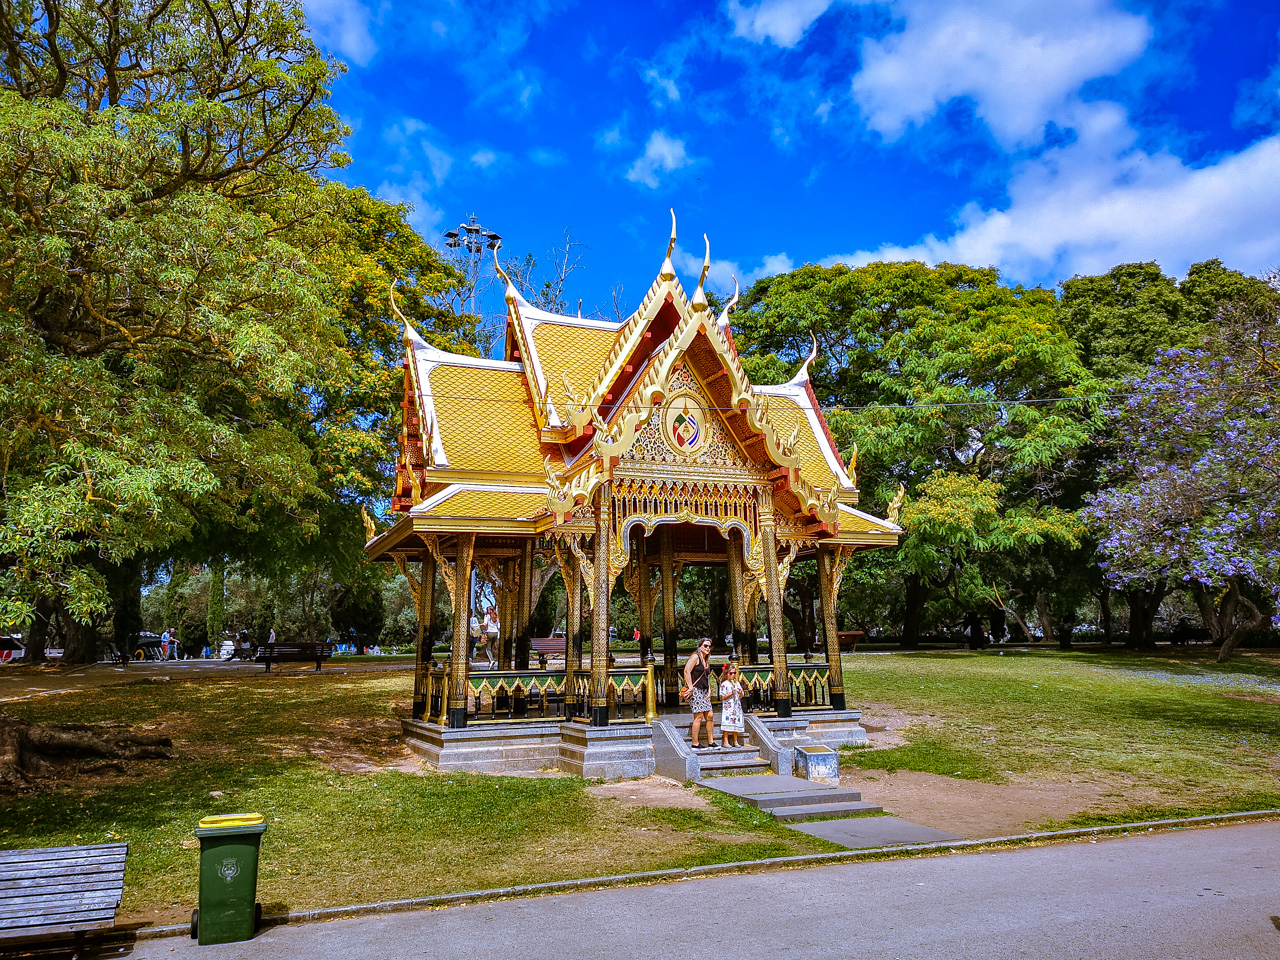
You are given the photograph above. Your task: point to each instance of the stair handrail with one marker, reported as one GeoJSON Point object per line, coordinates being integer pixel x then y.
{"type": "Point", "coordinates": [781, 759]}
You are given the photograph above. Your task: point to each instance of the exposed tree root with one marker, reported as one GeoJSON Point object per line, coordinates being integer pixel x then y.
{"type": "Point", "coordinates": [29, 752]}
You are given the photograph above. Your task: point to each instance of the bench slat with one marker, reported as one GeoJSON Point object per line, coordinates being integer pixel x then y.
{"type": "Point", "coordinates": [60, 868]}
{"type": "Point", "coordinates": [58, 895]}
{"type": "Point", "coordinates": [43, 855]}
{"type": "Point", "coordinates": [72, 912]}
{"type": "Point", "coordinates": [48, 911]}
{"type": "Point", "coordinates": [87, 873]}
{"type": "Point", "coordinates": [27, 934]}
{"type": "Point", "coordinates": [21, 888]}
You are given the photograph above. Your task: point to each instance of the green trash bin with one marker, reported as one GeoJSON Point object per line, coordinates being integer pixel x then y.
{"type": "Point", "coordinates": [229, 910]}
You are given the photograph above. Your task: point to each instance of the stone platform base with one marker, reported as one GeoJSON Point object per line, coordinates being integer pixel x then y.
{"type": "Point", "coordinates": [835, 728]}
{"type": "Point", "coordinates": [614, 752]}
{"type": "Point", "coordinates": [486, 748]}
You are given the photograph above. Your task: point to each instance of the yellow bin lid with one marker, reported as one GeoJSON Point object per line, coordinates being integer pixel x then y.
{"type": "Point", "coordinates": [232, 820]}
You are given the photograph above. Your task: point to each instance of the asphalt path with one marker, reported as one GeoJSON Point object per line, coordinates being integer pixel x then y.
{"type": "Point", "coordinates": [1198, 894]}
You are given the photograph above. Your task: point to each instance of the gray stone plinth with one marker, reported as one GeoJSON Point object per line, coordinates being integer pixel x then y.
{"type": "Point", "coordinates": [611, 753]}
{"type": "Point", "coordinates": [819, 763]}
{"type": "Point", "coordinates": [486, 748]}
{"type": "Point", "coordinates": [836, 728]}
{"type": "Point", "coordinates": [873, 832]}
{"type": "Point", "coordinates": [672, 756]}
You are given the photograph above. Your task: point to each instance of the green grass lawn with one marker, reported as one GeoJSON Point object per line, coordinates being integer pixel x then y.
{"type": "Point", "coordinates": [314, 753]}
{"type": "Point", "coordinates": [1173, 735]}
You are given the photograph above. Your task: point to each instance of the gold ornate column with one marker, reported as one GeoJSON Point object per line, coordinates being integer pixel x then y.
{"type": "Point", "coordinates": [572, 635]}
{"type": "Point", "coordinates": [737, 595]}
{"type": "Point", "coordinates": [524, 614]}
{"type": "Point", "coordinates": [773, 598]}
{"type": "Point", "coordinates": [507, 613]}
{"type": "Point", "coordinates": [670, 642]}
{"type": "Point", "coordinates": [644, 600]}
{"type": "Point", "coordinates": [600, 614]}
{"type": "Point", "coordinates": [831, 563]}
{"type": "Point", "coordinates": [426, 633]}
{"type": "Point", "coordinates": [459, 663]}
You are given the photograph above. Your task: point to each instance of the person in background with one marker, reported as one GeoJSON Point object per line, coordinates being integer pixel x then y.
{"type": "Point", "coordinates": [491, 626]}
{"type": "Point", "coordinates": [271, 637]}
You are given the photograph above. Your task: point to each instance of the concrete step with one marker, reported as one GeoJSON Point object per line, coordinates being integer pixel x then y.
{"type": "Point", "coordinates": [805, 811]}
{"type": "Point", "coordinates": [715, 768]}
{"type": "Point", "coordinates": [772, 801]}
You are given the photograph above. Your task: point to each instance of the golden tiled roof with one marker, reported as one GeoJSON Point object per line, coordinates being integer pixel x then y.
{"type": "Point", "coordinates": [578, 351]}
{"type": "Point", "coordinates": [485, 420]}
{"type": "Point", "coordinates": [488, 505]}
{"type": "Point", "coordinates": [786, 415]}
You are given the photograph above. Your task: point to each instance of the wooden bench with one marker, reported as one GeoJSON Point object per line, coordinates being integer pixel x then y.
{"type": "Point", "coordinates": [546, 647]}
{"type": "Point", "coordinates": [59, 891]}
{"type": "Point", "coordinates": [270, 653]}
{"type": "Point", "coordinates": [849, 639]}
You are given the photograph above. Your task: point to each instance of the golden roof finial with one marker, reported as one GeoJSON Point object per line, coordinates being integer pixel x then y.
{"type": "Point", "coordinates": [723, 322]}
{"type": "Point", "coordinates": [699, 301]}
{"type": "Point", "coordinates": [668, 272]}
{"type": "Point", "coordinates": [511, 293]}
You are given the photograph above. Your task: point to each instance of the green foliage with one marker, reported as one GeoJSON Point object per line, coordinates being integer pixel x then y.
{"type": "Point", "coordinates": [966, 391]}
{"type": "Point", "coordinates": [194, 339]}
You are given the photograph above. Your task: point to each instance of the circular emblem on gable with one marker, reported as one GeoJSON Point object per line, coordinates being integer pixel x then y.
{"type": "Point", "coordinates": [684, 423]}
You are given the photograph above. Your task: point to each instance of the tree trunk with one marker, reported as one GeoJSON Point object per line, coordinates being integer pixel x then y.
{"type": "Point", "coordinates": [126, 612]}
{"type": "Point", "coordinates": [82, 642]}
{"type": "Point", "coordinates": [1221, 620]}
{"type": "Point", "coordinates": [38, 635]}
{"type": "Point", "coordinates": [1045, 616]}
{"type": "Point", "coordinates": [28, 750]}
{"type": "Point", "coordinates": [1143, 607]}
{"type": "Point", "coordinates": [216, 619]}
{"type": "Point", "coordinates": [1104, 604]}
{"type": "Point", "coordinates": [916, 595]}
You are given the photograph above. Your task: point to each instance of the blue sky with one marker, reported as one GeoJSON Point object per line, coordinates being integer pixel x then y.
{"type": "Point", "coordinates": [1044, 138]}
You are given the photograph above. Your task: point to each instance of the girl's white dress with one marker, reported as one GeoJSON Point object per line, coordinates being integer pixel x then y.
{"type": "Point", "coordinates": [731, 705]}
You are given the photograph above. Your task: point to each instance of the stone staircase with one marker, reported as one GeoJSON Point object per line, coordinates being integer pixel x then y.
{"type": "Point", "coordinates": [724, 761]}
{"type": "Point", "coordinates": [791, 798]}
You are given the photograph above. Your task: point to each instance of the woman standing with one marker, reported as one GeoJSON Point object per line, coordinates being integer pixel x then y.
{"type": "Point", "coordinates": [731, 724]}
{"type": "Point", "coordinates": [697, 687]}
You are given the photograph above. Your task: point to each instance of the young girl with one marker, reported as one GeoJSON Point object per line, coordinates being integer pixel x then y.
{"type": "Point", "coordinates": [731, 704]}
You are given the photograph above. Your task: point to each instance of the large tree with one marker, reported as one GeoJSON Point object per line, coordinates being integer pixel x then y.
{"type": "Point", "coordinates": [193, 334]}
{"type": "Point", "coordinates": [966, 391]}
{"type": "Point", "coordinates": [1197, 473]}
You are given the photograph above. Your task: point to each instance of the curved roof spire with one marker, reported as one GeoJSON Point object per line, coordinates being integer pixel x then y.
{"type": "Point", "coordinates": [512, 294]}
{"type": "Point", "coordinates": [668, 272]}
{"type": "Point", "coordinates": [802, 375]}
{"type": "Point", "coordinates": [699, 301]}
{"type": "Point", "coordinates": [723, 322]}
{"type": "Point", "coordinates": [410, 335]}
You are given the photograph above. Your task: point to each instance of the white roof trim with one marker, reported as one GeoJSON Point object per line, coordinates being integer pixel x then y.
{"type": "Point", "coordinates": [796, 391]}
{"type": "Point", "coordinates": [886, 525]}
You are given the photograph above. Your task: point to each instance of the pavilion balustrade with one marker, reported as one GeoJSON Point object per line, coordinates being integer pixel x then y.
{"type": "Point", "coordinates": [513, 696]}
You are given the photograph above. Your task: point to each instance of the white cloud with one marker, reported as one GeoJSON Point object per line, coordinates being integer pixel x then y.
{"type": "Point", "coordinates": [662, 84]}
{"type": "Point", "coordinates": [439, 160]}
{"type": "Point", "coordinates": [546, 157]}
{"type": "Point", "coordinates": [424, 217]}
{"type": "Point", "coordinates": [782, 21]}
{"type": "Point", "coordinates": [1088, 205]}
{"type": "Point", "coordinates": [1021, 63]}
{"type": "Point", "coordinates": [660, 153]}
{"type": "Point", "coordinates": [610, 138]}
{"type": "Point", "coordinates": [484, 158]}
{"type": "Point", "coordinates": [720, 276]}
{"type": "Point", "coordinates": [344, 26]}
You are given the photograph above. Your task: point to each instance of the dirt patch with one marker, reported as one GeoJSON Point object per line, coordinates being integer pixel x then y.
{"type": "Point", "coordinates": [977, 810]}
{"type": "Point", "coordinates": [649, 792]}
{"type": "Point", "coordinates": [1255, 697]}
{"type": "Point", "coordinates": [885, 724]}
{"type": "Point", "coordinates": [364, 746]}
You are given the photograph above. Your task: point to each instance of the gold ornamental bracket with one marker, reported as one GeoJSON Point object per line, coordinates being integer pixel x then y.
{"type": "Point", "coordinates": [585, 570]}
{"type": "Point", "coordinates": [895, 505]}
{"type": "Point", "coordinates": [415, 588]}
{"type": "Point", "coordinates": [564, 496]}
{"type": "Point", "coordinates": [443, 565]}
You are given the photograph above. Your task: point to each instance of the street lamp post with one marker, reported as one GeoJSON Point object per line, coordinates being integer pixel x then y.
{"type": "Point", "coordinates": [475, 240]}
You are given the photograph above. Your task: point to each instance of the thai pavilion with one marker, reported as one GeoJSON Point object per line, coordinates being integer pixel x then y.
{"type": "Point", "coordinates": [606, 451]}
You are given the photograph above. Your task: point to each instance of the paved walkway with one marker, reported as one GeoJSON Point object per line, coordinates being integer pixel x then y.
{"type": "Point", "coordinates": [1206, 894]}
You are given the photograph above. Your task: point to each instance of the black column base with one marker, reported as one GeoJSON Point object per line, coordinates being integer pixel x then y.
{"type": "Point", "coordinates": [600, 716]}
{"type": "Point", "coordinates": [520, 706]}
{"type": "Point", "coordinates": [673, 699]}
{"type": "Point", "coordinates": [457, 718]}
{"type": "Point", "coordinates": [419, 708]}
{"type": "Point", "coordinates": [837, 701]}
{"type": "Point", "coordinates": [782, 706]}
